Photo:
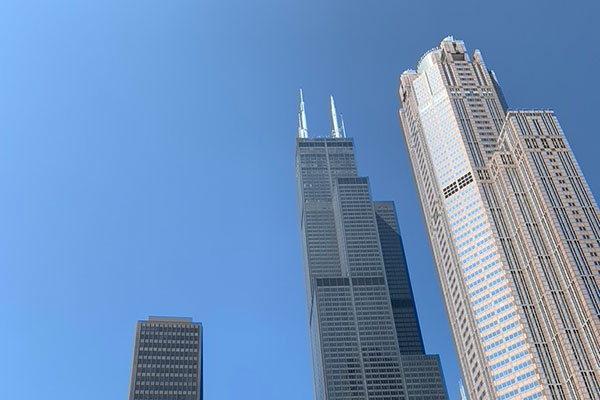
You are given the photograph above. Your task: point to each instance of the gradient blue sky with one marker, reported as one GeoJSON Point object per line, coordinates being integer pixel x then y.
{"type": "Point", "coordinates": [146, 168]}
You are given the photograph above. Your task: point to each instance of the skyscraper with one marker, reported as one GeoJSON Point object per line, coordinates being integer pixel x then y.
{"type": "Point", "coordinates": [365, 337]}
{"type": "Point", "coordinates": [514, 231]}
{"type": "Point", "coordinates": [167, 360]}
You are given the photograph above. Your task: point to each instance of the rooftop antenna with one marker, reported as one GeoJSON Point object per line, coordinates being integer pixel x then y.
{"type": "Point", "coordinates": [302, 129]}
{"type": "Point", "coordinates": [335, 133]}
{"type": "Point", "coordinates": [343, 127]}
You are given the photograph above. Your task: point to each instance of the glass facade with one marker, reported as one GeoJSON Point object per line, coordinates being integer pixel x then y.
{"type": "Point", "coordinates": [514, 276]}
{"type": "Point", "coordinates": [365, 338]}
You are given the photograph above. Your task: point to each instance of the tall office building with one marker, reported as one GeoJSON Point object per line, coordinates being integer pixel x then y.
{"type": "Point", "coordinates": [365, 337]}
{"type": "Point", "coordinates": [514, 231]}
{"type": "Point", "coordinates": [167, 360]}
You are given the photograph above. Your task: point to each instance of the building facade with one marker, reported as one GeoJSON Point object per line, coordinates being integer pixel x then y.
{"type": "Point", "coordinates": [167, 360]}
{"type": "Point", "coordinates": [513, 228]}
{"type": "Point", "coordinates": [365, 337]}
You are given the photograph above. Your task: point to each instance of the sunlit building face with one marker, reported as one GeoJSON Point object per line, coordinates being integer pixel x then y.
{"type": "Point", "coordinates": [514, 231]}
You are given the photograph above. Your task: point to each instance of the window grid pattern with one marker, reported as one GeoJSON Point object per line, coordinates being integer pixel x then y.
{"type": "Point", "coordinates": [451, 116]}
{"type": "Point", "coordinates": [355, 335]}
{"type": "Point", "coordinates": [516, 249]}
{"type": "Point", "coordinates": [167, 360]}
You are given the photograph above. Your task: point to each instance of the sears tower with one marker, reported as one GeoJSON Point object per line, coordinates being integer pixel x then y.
{"type": "Point", "coordinates": [365, 338]}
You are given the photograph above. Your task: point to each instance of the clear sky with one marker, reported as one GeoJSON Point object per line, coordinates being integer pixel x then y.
{"type": "Point", "coordinates": [146, 168]}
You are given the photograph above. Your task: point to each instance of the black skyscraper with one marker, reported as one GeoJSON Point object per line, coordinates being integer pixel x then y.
{"type": "Point", "coordinates": [365, 337]}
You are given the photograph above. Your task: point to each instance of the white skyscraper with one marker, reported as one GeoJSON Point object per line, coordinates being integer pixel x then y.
{"type": "Point", "coordinates": [514, 231]}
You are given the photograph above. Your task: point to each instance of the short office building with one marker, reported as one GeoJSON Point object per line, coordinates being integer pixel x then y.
{"type": "Point", "coordinates": [167, 360]}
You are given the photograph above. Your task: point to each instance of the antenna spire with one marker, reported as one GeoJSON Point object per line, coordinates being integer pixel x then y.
{"type": "Point", "coordinates": [302, 129]}
{"type": "Point", "coordinates": [343, 127]}
{"type": "Point", "coordinates": [335, 133]}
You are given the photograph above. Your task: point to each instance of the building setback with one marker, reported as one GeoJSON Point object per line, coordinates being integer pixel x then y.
{"type": "Point", "coordinates": [514, 231]}
{"type": "Point", "coordinates": [167, 360]}
{"type": "Point", "coordinates": [365, 337]}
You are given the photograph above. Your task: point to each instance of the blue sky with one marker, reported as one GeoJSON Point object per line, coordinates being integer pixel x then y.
{"type": "Point", "coordinates": [146, 168]}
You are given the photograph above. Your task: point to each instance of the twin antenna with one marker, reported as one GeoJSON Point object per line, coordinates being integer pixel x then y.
{"type": "Point", "coordinates": [336, 132]}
